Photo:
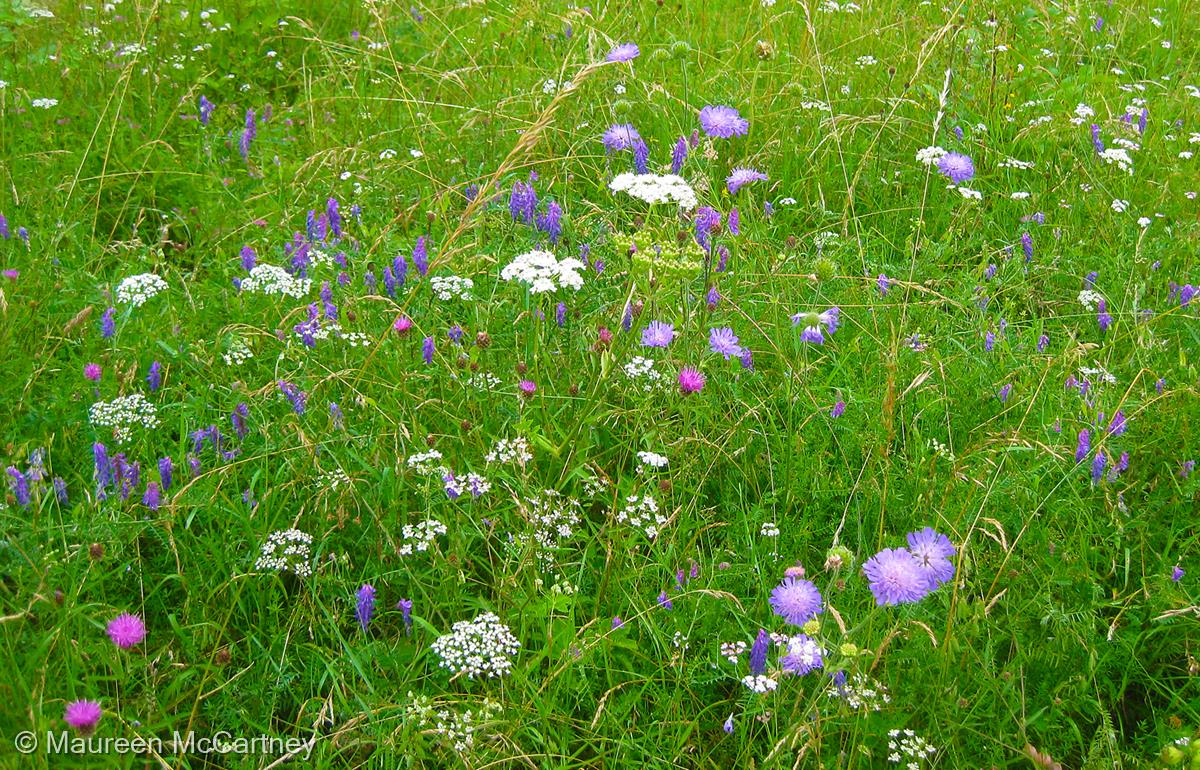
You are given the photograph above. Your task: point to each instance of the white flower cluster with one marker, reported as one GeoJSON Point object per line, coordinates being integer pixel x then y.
{"type": "Point", "coordinates": [238, 353]}
{"type": "Point", "coordinates": [320, 258]}
{"type": "Point", "coordinates": [426, 463]}
{"type": "Point", "coordinates": [769, 529]}
{"type": "Point", "coordinates": [759, 683]}
{"type": "Point", "coordinates": [642, 513]}
{"type": "Point", "coordinates": [1023, 165]}
{"type": "Point", "coordinates": [269, 279]}
{"type": "Point", "coordinates": [862, 693]}
{"type": "Point", "coordinates": [969, 194]}
{"type": "Point", "coordinates": [732, 651]}
{"type": "Point", "coordinates": [418, 537]}
{"type": "Point", "coordinates": [1119, 157]}
{"type": "Point", "coordinates": [1098, 375]}
{"type": "Point", "coordinates": [594, 486]}
{"type": "Point", "coordinates": [333, 479]}
{"type": "Point", "coordinates": [44, 103]}
{"type": "Point", "coordinates": [447, 287]}
{"type": "Point", "coordinates": [458, 729]}
{"type": "Point", "coordinates": [484, 381]}
{"type": "Point", "coordinates": [515, 450]}
{"type": "Point", "coordinates": [480, 647]}
{"type": "Point", "coordinates": [1090, 298]}
{"type": "Point", "coordinates": [286, 550]}
{"type": "Point", "coordinates": [656, 188]}
{"type": "Point", "coordinates": [930, 155]}
{"type": "Point", "coordinates": [123, 414]}
{"type": "Point", "coordinates": [908, 747]}
{"type": "Point", "coordinates": [542, 272]}
{"type": "Point", "coordinates": [1119, 205]}
{"type": "Point", "coordinates": [651, 460]}
{"type": "Point", "coordinates": [137, 290]}
{"type": "Point", "coordinates": [641, 370]}
{"type": "Point", "coordinates": [553, 517]}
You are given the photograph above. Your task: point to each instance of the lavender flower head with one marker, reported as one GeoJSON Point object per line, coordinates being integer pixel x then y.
{"type": "Point", "coordinates": [658, 334]}
{"type": "Point", "coordinates": [816, 324]}
{"type": "Point", "coordinates": [895, 577]}
{"type": "Point", "coordinates": [957, 167]}
{"type": "Point", "coordinates": [802, 656]}
{"type": "Point", "coordinates": [621, 136]}
{"type": "Point", "coordinates": [723, 122]}
{"type": "Point", "coordinates": [796, 600]}
{"type": "Point", "coordinates": [932, 550]}
{"type": "Point", "coordinates": [622, 53]}
{"type": "Point", "coordinates": [740, 177]}
{"type": "Point", "coordinates": [723, 341]}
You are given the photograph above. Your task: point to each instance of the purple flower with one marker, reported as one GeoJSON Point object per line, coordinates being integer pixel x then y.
{"type": "Point", "coordinates": [641, 157]}
{"type": "Point", "coordinates": [1097, 142]}
{"type": "Point", "coordinates": [1142, 119]}
{"type": "Point", "coordinates": [1118, 425]}
{"type": "Point", "coordinates": [1120, 467]}
{"type": "Point", "coordinates": [527, 388]}
{"type": "Point", "coordinates": [740, 177]}
{"type": "Point", "coordinates": [932, 551]}
{"type": "Point", "coordinates": [126, 630]}
{"type": "Point", "coordinates": [152, 498]}
{"type": "Point", "coordinates": [989, 340]}
{"type": "Point", "coordinates": [617, 622]}
{"type": "Point", "coordinates": [957, 167]}
{"type": "Point", "coordinates": [665, 602]}
{"type": "Point", "coordinates": [1027, 245]}
{"type": "Point", "coordinates": [405, 606]}
{"type": "Point", "coordinates": [1098, 463]}
{"type": "Point", "coordinates": [420, 255]}
{"type": "Point", "coordinates": [20, 486]}
{"type": "Point", "coordinates": [758, 653]}
{"type": "Point", "coordinates": [815, 324]}
{"type": "Point", "coordinates": [1084, 445]}
{"type": "Point", "coordinates": [108, 324]}
{"type": "Point", "coordinates": [747, 359]}
{"type": "Point", "coordinates": [895, 577]}
{"type": "Point", "coordinates": [206, 110]}
{"type": "Point", "coordinates": [427, 349]}
{"type": "Point", "coordinates": [621, 136]}
{"type": "Point", "coordinates": [247, 136]}
{"type": "Point", "coordinates": [1103, 317]}
{"type": "Point", "coordinates": [1004, 393]}
{"type": "Point", "coordinates": [708, 221]}
{"type": "Point", "coordinates": [622, 53]}
{"type": "Point", "coordinates": [164, 472]}
{"type": "Point", "coordinates": [550, 223]}
{"type": "Point", "coordinates": [728, 726]}
{"type": "Point", "coordinates": [1042, 342]}
{"type": "Point", "coordinates": [560, 313]}
{"type": "Point", "coordinates": [92, 372]}
{"type": "Point", "coordinates": [797, 601]}
{"type": "Point", "coordinates": [1176, 573]}
{"type": "Point", "coordinates": [83, 715]}
{"type": "Point", "coordinates": [522, 203]}
{"type": "Point", "coordinates": [679, 155]}
{"type": "Point", "coordinates": [882, 282]}
{"type": "Point", "coordinates": [690, 381]}
{"type": "Point", "coordinates": [723, 341]}
{"type": "Point", "coordinates": [658, 334]}
{"type": "Point", "coordinates": [735, 222]}
{"type": "Point", "coordinates": [723, 122]}
{"type": "Point", "coordinates": [365, 605]}
{"type": "Point", "coordinates": [154, 376]}
{"type": "Point", "coordinates": [838, 409]}
{"type": "Point", "coordinates": [802, 656]}
{"type": "Point", "coordinates": [712, 298]}
{"type": "Point", "coordinates": [297, 397]}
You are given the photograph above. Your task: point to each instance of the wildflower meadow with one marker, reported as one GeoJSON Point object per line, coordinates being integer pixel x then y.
{"type": "Point", "coordinates": [550, 384]}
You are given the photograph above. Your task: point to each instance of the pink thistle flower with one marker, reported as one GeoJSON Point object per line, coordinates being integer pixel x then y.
{"type": "Point", "coordinates": [690, 381]}
{"type": "Point", "coordinates": [126, 630]}
{"type": "Point", "coordinates": [92, 372]}
{"type": "Point", "coordinates": [83, 715]}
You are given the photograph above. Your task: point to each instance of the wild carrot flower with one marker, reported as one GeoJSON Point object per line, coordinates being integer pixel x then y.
{"type": "Point", "coordinates": [126, 630]}
{"type": "Point", "coordinates": [83, 716]}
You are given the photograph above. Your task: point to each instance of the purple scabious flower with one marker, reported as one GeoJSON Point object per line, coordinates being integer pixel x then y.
{"type": "Point", "coordinates": [20, 486]}
{"type": "Point", "coordinates": [1084, 445]}
{"type": "Point", "coordinates": [427, 348]}
{"type": "Point", "coordinates": [895, 577]}
{"type": "Point", "coordinates": [802, 655]}
{"type": "Point", "coordinates": [723, 341]}
{"type": "Point", "coordinates": [420, 255]}
{"type": "Point", "coordinates": [796, 600]}
{"type": "Point", "coordinates": [658, 334]}
{"type": "Point", "coordinates": [364, 606]}
{"type": "Point", "coordinates": [622, 53]}
{"type": "Point", "coordinates": [932, 551]}
{"type": "Point", "coordinates": [838, 409]}
{"type": "Point", "coordinates": [758, 652]}
{"type": "Point", "coordinates": [154, 376]}
{"type": "Point", "coordinates": [247, 137]}
{"type": "Point", "coordinates": [816, 324]}
{"type": "Point", "coordinates": [83, 715]}
{"type": "Point", "coordinates": [723, 122]}
{"type": "Point", "coordinates": [679, 155]}
{"type": "Point", "coordinates": [1104, 319]}
{"type": "Point", "coordinates": [108, 323]}
{"type": "Point", "coordinates": [126, 630]}
{"type": "Point", "coordinates": [621, 136]}
{"type": "Point", "coordinates": [206, 110]}
{"type": "Point", "coordinates": [958, 168]}
{"type": "Point", "coordinates": [690, 380]}
{"type": "Point", "coordinates": [152, 498]}
{"type": "Point", "coordinates": [740, 177]}
{"type": "Point", "coordinates": [405, 606]}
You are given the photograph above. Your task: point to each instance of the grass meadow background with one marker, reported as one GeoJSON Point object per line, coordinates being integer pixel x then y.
{"type": "Point", "coordinates": [1067, 635]}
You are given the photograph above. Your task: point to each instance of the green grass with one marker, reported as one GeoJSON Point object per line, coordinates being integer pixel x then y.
{"type": "Point", "coordinates": [1062, 629]}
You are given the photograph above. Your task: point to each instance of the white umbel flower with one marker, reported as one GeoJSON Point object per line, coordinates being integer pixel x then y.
{"type": "Point", "coordinates": [543, 272]}
{"type": "Point", "coordinates": [656, 188]}
{"type": "Point", "coordinates": [137, 290]}
{"type": "Point", "coordinates": [483, 647]}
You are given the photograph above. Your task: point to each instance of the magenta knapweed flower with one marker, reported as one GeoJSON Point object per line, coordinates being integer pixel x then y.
{"type": "Point", "coordinates": [932, 550]}
{"type": "Point", "coordinates": [796, 601]}
{"type": "Point", "coordinates": [126, 630]}
{"type": "Point", "coordinates": [895, 577]}
{"type": "Point", "coordinates": [83, 715]}
{"type": "Point", "coordinates": [740, 177]}
{"type": "Point", "coordinates": [658, 334]}
{"type": "Point", "coordinates": [722, 340]}
{"type": "Point", "coordinates": [527, 388]}
{"type": "Point", "coordinates": [402, 324]}
{"type": "Point", "coordinates": [92, 372]}
{"type": "Point", "coordinates": [623, 52]}
{"type": "Point", "coordinates": [690, 380]}
{"type": "Point", "coordinates": [723, 122]}
{"type": "Point", "coordinates": [958, 167]}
